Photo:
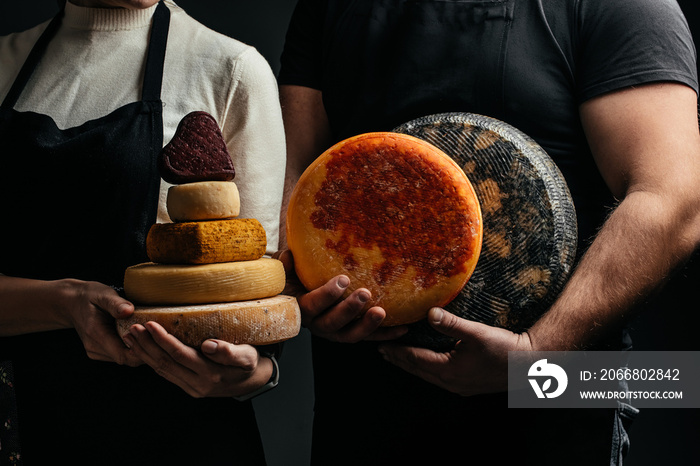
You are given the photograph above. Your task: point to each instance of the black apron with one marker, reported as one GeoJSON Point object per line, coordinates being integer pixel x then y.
{"type": "Point", "coordinates": [421, 59]}
{"type": "Point", "coordinates": [405, 47]}
{"type": "Point", "coordinates": [79, 203]}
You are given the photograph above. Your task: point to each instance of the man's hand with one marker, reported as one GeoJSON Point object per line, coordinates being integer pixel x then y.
{"type": "Point", "coordinates": [220, 369]}
{"type": "Point", "coordinates": [327, 314]}
{"type": "Point", "coordinates": [478, 363]}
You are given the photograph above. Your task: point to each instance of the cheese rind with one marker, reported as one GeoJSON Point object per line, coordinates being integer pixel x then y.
{"type": "Point", "coordinates": [255, 322]}
{"type": "Point", "coordinates": [205, 200]}
{"type": "Point", "coordinates": [392, 212]}
{"type": "Point", "coordinates": [530, 225]}
{"type": "Point", "coordinates": [206, 242]}
{"type": "Point", "coordinates": [162, 284]}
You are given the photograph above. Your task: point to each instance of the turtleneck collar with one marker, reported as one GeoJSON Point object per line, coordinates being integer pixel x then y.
{"type": "Point", "coordinates": [106, 19]}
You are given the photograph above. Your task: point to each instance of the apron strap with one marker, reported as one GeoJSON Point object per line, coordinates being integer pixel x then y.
{"type": "Point", "coordinates": [155, 60]}
{"type": "Point", "coordinates": [32, 60]}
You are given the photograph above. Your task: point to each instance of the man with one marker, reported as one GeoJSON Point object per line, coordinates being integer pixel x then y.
{"type": "Point", "coordinates": [88, 101]}
{"type": "Point", "coordinates": [609, 89]}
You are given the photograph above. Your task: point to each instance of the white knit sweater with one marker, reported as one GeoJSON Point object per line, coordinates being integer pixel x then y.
{"type": "Point", "coordinates": [95, 64]}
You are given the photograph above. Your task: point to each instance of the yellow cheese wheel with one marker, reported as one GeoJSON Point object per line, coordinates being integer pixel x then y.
{"type": "Point", "coordinates": [256, 322]}
{"type": "Point", "coordinates": [392, 212]}
{"type": "Point", "coordinates": [236, 239]}
{"type": "Point", "coordinates": [162, 284]}
{"type": "Point", "coordinates": [204, 200]}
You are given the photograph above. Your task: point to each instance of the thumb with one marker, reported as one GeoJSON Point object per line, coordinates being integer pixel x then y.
{"type": "Point", "coordinates": [453, 326]}
{"type": "Point", "coordinates": [114, 305]}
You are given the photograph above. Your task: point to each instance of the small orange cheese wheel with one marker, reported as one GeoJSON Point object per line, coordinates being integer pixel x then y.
{"type": "Point", "coordinates": [393, 213]}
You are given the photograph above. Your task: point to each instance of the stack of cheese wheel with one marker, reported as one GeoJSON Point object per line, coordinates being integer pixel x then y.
{"type": "Point", "coordinates": [207, 277]}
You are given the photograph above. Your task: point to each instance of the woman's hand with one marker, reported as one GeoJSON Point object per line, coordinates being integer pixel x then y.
{"type": "Point", "coordinates": [220, 369]}
{"type": "Point", "coordinates": [91, 308]}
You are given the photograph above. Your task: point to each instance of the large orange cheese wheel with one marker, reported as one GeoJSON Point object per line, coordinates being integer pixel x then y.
{"type": "Point", "coordinates": [392, 212]}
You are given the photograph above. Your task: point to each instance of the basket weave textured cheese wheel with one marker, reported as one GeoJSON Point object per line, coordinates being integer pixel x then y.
{"type": "Point", "coordinates": [392, 212]}
{"type": "Point", "coordinates": [255, 322]}
{"type": "Point", "coordinates": [530, 228]}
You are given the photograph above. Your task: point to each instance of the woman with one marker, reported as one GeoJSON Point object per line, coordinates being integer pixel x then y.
{"type": "Point", "coordinates": [89, 100]}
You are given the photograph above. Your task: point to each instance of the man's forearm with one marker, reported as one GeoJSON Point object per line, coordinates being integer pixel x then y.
{"type": "Point", "coordinates": [637, 249]}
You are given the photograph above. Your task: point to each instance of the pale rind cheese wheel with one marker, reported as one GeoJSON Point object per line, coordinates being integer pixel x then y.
{"type": "Point", "coordinates": [256, 322]}
{"type": "Point", "coordinates": [393, 213]}
{"type": "Point", "coordinates": [162, 284]}
{"type": "Point", "coordinates": [204, 200]}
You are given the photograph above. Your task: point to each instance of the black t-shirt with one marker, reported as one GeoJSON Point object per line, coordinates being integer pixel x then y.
{"type": "Point", "coordinates": [530, 63]}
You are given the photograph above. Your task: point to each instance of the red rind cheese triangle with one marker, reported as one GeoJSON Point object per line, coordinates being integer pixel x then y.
{"type": "Point", "coordinates": [392, 212]}
{"type": "Point", "coordinates": [197, 152]}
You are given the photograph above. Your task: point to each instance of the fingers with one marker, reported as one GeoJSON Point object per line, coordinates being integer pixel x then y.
{"type": "Point", "coordinates": [293, 286]}
{"type": "Point", "coordinates": [221, 369]}
{"type": "Point", "coordinates": [315, 302]}
{"type": "Point", "coordinates": [165, 354]}
{"type": "Point", "coordinates": [112, 348]}
{"type": "Point", "coordinates": [112, 303]}
{"type": "Point", "coordinates": [285, 256]}
{"type": "Point", "coordinates": [367, 327]}
{"type": "Point", "coordinates": [326, 313]}
{"type": "Point", "coordinates": [420, 362]}
{"type": "Point", "coordinates": [221, 352]}
{"type": "Point", "coordinates": [256, 371]}
{"type": "Point", "coordinates": [346, 322]}
{"type": "Point", "coordinates": [477, 364]}
{"type": "Point", "coordinates": [347, 327]}
{"type": "Point", "coordinates": [346, 311]}
{"type": "Point", "coordinates": [456, 327]}
{"type": "Point", "coordinates": [387, 333]}
{"type": "Point", "coordinates": [95, 324]}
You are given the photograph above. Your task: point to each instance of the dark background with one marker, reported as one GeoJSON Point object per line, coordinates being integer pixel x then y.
{"type": "Point", "coordinates": [670, 322]}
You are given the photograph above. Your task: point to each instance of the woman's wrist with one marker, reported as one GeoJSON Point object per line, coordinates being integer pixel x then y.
{"type": "Point", "coordinates": [62, 296]}
{"type": "Point", "coordinates": [269, 371]}
{"type": "Point", "coordinates": [28, 306]}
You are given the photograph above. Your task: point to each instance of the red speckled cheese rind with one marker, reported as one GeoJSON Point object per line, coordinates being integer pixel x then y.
{"type": "Point", "coordinates": [392, 212]}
